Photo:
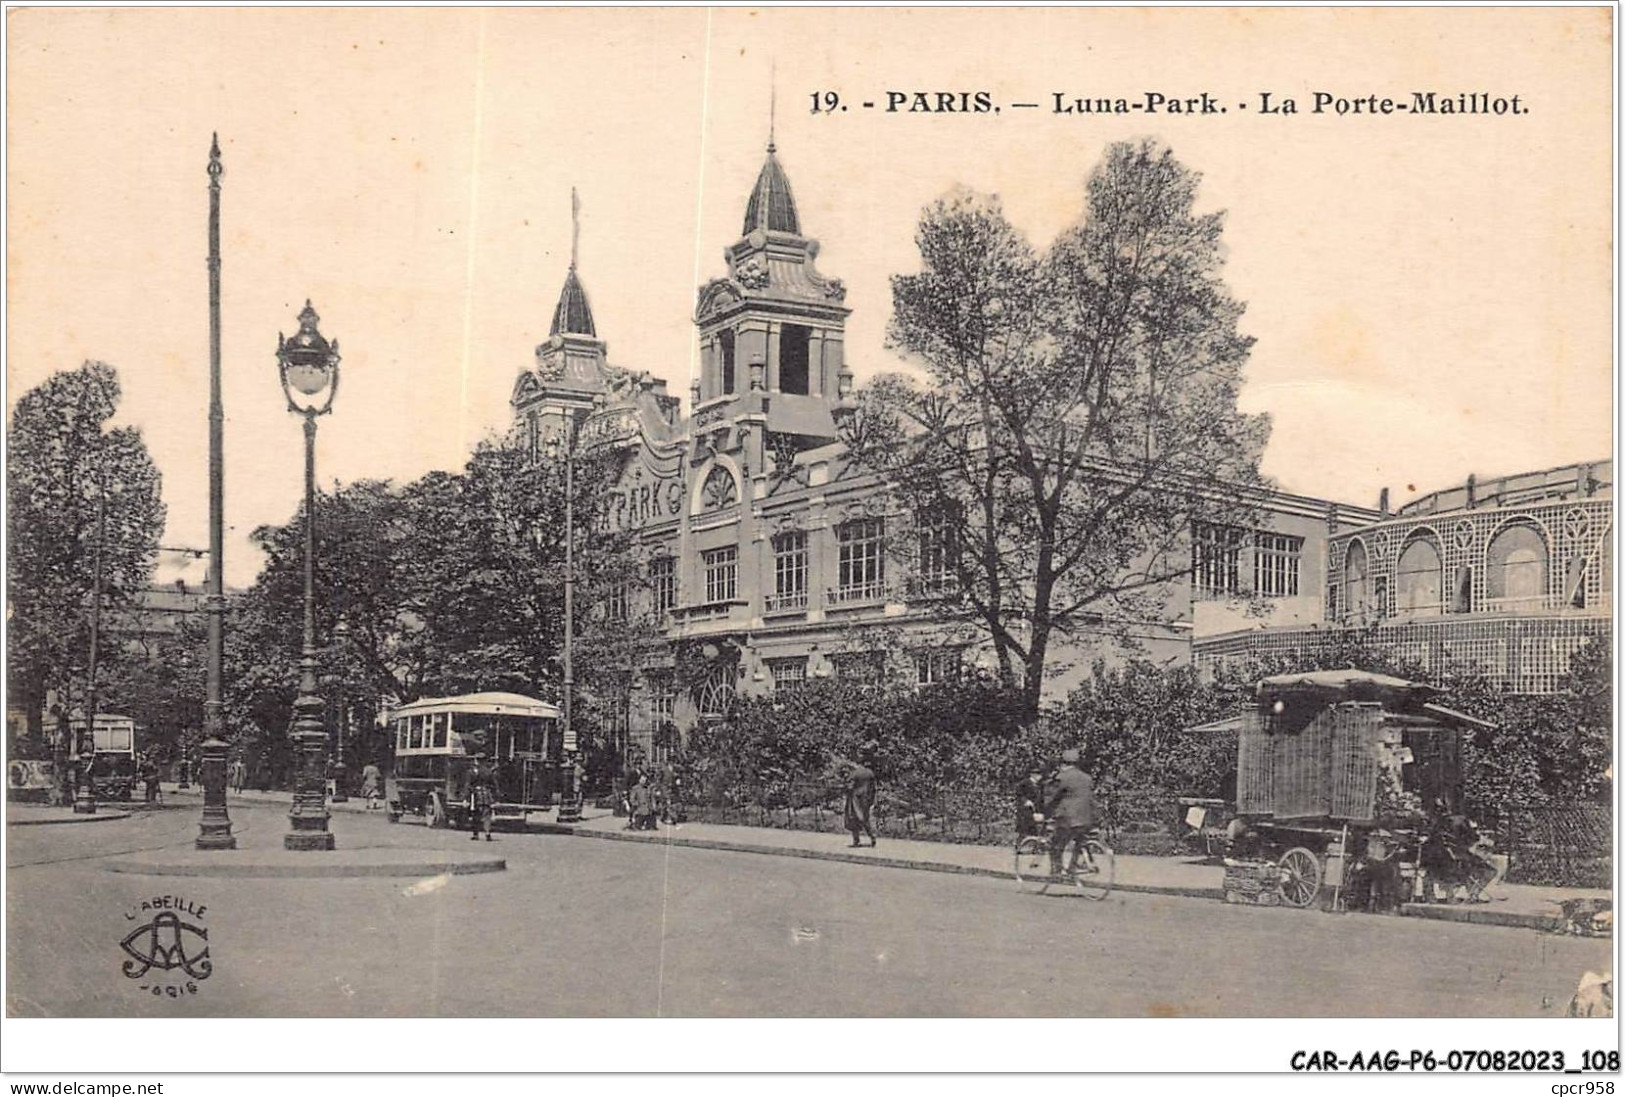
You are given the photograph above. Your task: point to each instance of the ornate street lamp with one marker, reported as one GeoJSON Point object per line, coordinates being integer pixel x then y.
{"type": "Point", "coordinates": [309, 367]}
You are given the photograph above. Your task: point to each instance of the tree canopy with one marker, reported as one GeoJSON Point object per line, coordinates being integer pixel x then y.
{"type": "Point", "coordinates": [79, 492]}
{"type": "Point", "coordinates": [1079, 406]}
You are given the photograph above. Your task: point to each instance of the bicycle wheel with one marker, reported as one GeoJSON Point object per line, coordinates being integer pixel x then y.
{"type": "Point", "coordinates": [1098, 884]}
{"type": "Point", "coordinates": [1032, 863]}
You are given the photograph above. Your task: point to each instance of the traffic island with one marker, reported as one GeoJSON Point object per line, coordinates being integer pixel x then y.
{"type": "Point", "coordinates": [33, 815]}
{"type": "Point", "coordinates": [374, 861]}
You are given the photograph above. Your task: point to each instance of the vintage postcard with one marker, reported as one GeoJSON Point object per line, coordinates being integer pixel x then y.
{"type": "Point", "coordinates": [763, 513]}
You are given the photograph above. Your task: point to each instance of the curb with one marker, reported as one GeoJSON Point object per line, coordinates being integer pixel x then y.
{"type": "Point", "coordinates": [370, 862]}
{"type": "Point", "coordinates": [1481, 916]}
{"type": "Point", "coordinates": [98, 817]}
{"type": "Point", "coordinates": [849, 858]}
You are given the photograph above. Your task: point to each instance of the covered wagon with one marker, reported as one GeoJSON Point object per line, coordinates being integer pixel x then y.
{"type": "Point", "coordinates": [1334, 768]}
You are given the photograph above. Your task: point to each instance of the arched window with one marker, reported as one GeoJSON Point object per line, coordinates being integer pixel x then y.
{"type": "Point", "coordinates": [1357, 580]}
{"type": "Point", "coordinates": [1515, 568]}
{"type": "Point", "coordinates": [714, 697]}
{"type": "Point", "coordinates": [1419, 584]}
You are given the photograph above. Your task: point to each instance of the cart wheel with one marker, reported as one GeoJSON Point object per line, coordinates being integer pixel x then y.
{"type": "Point", "coordinates": [1032, 863]}
{"type": "Point", "coordinates": [1098, 884]}
{"type": "Point", "coordinates": [1300, 877]}
{"type": "Point", "coordinates": [435, 810]}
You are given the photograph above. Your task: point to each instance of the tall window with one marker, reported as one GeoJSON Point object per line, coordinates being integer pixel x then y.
{"type": "Point", "coordinates": [1515, 568]}
{"type": "Point", "coordinates": [788, 674]}
{"type": "Point", "coordinates": [663, 578]}
{"type": "Point", "coordinates": [1215, 558]}
{"type": "Point", "coordinates": [1419, 578]}
{"type": "Point", "coordinates": [789, 571]}
{"type": "Point", "coordinates": [721, 573]}
{"type": "Point", "coordinates": [860, 559]}
{"type": "Point", "coordinates": [725, 342]}
{"type": "Point", "coordinates": [794, 341]}
{"type": "Point", "coordinates": [616, 599]}
{"type": "Point", "coordinates": [1357, 579]}
{"type": "Point", "coordinates": [662, 702]}
{"type": "Point", "coordinates": [934, 665]}
{"type": "Point", "coordinates": [1275, 564]}
{"type": "Point", "coordinates": [939, 550]}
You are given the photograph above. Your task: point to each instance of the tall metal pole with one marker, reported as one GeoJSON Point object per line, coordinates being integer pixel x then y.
{"type": "Point", "coordinates": [214, 829]}
{"type": "Point", "coordinates": [569, 805]}
{"type": "Point", "coordinates": [84, 797]}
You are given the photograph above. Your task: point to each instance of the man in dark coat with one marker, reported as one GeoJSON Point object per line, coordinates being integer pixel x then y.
{"type": "Point", "coordinates": [481, 801]}
{"type": "Point", "coordinates": [1070, 803]}
{"type": "Point", "coordinates": [860, 801]}
{"type": "Point", "coordinates": [642, 802]}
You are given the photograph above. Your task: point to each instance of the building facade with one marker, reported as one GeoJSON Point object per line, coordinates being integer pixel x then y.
{"type": "Point", "coordinates": [1511, 576]}
{"type": "Point", "coordinates": [771, 557]}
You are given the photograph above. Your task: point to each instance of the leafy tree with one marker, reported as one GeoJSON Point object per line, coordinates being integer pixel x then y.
{"type": "Point", "coordinates": [1080, 405]}
{"type": "Point", "coordinates": [77, 489]}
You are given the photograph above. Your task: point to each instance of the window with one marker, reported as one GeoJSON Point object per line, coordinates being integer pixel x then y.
{"type": "Point", "coordinates": [1356, 579]}
{"type": "Point", "coordinates": [663, 578]}
{"type": "Point", "coordinates": [615, 602]}
{"type": "Point", "coordinates": [939, 553]}
{"type": "Point", "coordinates": [442, 726]}
{"type": "Point", "coordinates": [721, 574]}
{"type": "Point", "coordinates": [1332, 610]}
{"type": "Point", "coordinates": [1275, 564]}
{"type": "Point", "coordinates": [936, 665]}
{"type": "Point", "coordinates": [1419, 578]}
{"type": "Point", "coordinates": [533, 436]}
{"type": "Point", "coordinates": [1515, 569]}
{"type": "Point", "coordinates": [725, 340]}
{"type": "Point", "coordinates": [861, 559]}
{"type": "Point", "coordinates": [788, 673]}
{"type": "Point", "coordinates": [860, 666]}
{"type": "Point", "coordinates": [1215, 558]}
{"type": "Point", "coordinates": [662, 701]}
{"type": "Point", "coordinates": [793, 346]}
{"type": "Point", "coordinates": [789, 571]}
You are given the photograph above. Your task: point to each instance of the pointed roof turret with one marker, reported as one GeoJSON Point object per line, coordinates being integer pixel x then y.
{"type": "Point", "coordinates": [772, 207]}
{"type": "Point", "coordinates": [573, 315]}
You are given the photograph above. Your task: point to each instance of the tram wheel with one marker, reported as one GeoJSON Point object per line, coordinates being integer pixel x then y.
{"type": "Point", "coordinates": [1300, 877]}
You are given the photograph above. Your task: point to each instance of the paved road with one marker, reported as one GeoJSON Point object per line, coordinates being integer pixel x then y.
{"type": "Point", "coordinates": [586, 928]}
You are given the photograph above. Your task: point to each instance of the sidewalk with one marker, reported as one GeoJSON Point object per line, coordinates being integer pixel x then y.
{"type": "Point", "coordinates": [33, 815]}
{"type": "Point", "coordinates": [1516, 904]}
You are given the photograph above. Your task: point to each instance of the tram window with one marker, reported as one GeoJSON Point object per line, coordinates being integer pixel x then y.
{"type": "Point", "coordinates": [400, 734]}
{"type": "Point", "coordinates": [441, 720]}
{"type": "Point", "coordinates": [417, 733]}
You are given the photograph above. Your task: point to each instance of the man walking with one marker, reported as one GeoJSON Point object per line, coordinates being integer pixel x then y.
{"type": "Point", "coordinates": [860, 802]}
{"type": "Point", "coordinates": [481, 801]}
{"type": "Point", "coordinates": [1070, 804]}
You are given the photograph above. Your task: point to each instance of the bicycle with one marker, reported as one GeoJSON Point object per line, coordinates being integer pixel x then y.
{"type": "Point", "coordinates": [1092, 880]}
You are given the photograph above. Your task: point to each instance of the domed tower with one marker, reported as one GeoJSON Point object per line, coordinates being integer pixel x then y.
{"type": "Point", "coordinates": [774, 325]}
{"type": "Point", "coordinates": [571, 367]}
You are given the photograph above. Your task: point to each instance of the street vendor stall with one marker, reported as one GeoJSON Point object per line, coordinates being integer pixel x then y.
{"type": "Point", "coordinates": [1339, 776]}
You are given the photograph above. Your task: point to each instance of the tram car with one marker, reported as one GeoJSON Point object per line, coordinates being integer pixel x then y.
{"type": "Point", "coordinates": [437, 742]}
{"type": "Point", "coordinates": [1335, 771]}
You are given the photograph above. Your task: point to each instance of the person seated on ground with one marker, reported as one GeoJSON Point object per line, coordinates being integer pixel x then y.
{"type": "Point", "coordinates": [1448, 858]}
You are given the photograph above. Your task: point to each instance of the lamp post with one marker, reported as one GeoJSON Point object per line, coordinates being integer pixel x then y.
{"type": "Point", "coordinates": [570, 798]}
{"type": "Point", "coordinates": [309, 368]}
{"type": "Point", "coordinates": [214, 829]}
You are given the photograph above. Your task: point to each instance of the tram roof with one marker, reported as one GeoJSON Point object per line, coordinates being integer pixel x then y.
{"type": "Point", "coordinates": [482, 704]}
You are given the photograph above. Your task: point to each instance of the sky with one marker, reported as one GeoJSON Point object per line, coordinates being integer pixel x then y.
{"type": "Point", "coordinates": [1431, 296]}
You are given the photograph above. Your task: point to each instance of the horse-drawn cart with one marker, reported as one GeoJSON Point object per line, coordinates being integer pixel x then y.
{"type": "Point", "coordinates": [1336, 773]}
